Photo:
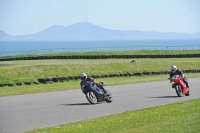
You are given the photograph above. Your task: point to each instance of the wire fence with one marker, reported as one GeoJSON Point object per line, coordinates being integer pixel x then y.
{"type": "Point", "coordinates": [99, 49]}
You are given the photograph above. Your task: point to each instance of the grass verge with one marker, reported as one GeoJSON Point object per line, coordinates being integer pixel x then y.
{"type": "Point", "coordinates": [75, 84]}
{"type": "Point", "coordinates": [182, 117]}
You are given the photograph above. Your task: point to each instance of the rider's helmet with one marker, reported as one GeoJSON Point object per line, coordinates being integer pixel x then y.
{"type": "Point", "coordinates": [83, 76]}
{"type": "Point", "coordinates": [173, 69]}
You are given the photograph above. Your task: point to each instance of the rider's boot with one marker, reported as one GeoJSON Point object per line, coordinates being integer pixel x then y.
{"type": "Point", "coordinates": [187, 85]}
{"type": "Point", "coordinates": [105, 92]}
{"type": "Point", "coordinates": [186, 82]}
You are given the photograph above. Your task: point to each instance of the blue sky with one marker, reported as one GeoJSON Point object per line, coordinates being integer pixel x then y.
{"type": "Point", "coordinates": [19, 17]}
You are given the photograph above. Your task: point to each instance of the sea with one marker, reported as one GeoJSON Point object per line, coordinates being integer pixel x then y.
{"type": "Point", "coordinates": [10, 48]}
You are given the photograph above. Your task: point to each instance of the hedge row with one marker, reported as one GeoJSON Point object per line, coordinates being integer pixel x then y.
{"type": "Point", "coordinates": [101, 57]}
{"type": "Point", "coordinates": [67, 78]}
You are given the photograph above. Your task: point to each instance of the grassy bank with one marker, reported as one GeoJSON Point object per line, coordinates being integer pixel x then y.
{"type": "Point", "coordinates": [182, 117]}
{"type": "Point", "coordinates": [21, 71]}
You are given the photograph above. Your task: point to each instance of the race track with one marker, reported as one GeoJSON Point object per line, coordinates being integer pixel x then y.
{"type": "Point", "coordinates": [27, 112]}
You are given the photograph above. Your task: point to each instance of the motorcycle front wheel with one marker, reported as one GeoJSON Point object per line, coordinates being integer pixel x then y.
{"type": "Point", "coordinates": [179, 90]}
{"type": "Point", "coordinates": [91, 97]}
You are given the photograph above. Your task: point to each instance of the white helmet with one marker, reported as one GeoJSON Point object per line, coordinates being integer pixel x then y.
{"type": "Point", "coordinates": [83, 76]}
{"type": "Point", "coordinates": [173, 69]}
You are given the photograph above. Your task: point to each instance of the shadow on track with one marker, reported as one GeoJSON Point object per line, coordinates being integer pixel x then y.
{"type": "Point", "coordinates": [165, 97]}
{"type": "Point", "coordinates": [77, 104]}
{"type": "Point", "coordinates": [74, 104]}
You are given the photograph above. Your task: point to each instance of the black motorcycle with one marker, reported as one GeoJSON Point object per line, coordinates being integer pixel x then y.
{"type": "Point", "coordinates": [94, 92]}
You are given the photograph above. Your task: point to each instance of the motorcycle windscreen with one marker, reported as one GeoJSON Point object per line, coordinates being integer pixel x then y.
{"type": "Point", "coordinates": [175, 77]}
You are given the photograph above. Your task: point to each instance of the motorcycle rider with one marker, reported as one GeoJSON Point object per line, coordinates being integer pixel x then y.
{"type": "Point", "coordinates": [176, 71]}
{"type": "Point", "coordinates": [84, 79]}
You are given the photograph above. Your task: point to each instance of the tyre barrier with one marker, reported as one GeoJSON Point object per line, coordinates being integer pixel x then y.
{"type": "Point", "coordinates": [55, 80]}
{"type": "Point", "coordinates": [102, 76]}
{"type": "Point", "coordinates": [36, 83]}
{"type": "Point", "coordinates": [42, 80]}
{"type": "Point", "coordinates": [27, 83]}
{"type": "Point", "coordinates": [107, 75]}
{"type": "Point", "coordinates": [125, 74]}
{"type": "Point", "coordinates": [100, 57]}
{"type": "Point", "coordinates": [61, 79]}
{"type": "Point", "coordinates": [76, 77]}
{"type": "Point", "coordinates": [98, 76]}
{"type": "Point", "coordinates": [7, 64]}
{"type": "Point", "coordinates": [116, 75]}
{"type": "Point", "coordinates": [19, 83]}
{"type": "Point", "coordinates": [111, 75]}
{"type": "Point", "coordinates": [67, 78]}
{"type": "Point", "coordinates": [2, 85]}
{"type": "Point", "coordinates": [94, 76]}
{"type": "Point", "coordinates": [147, 73]}
{"type": "Point", "coordinates": [139, 74]}
{"type": "Point", "coordinates": [121, 74]}
{"type": "Point", "coordinates": [71, 77]}
{"type": "Point", "coordinates": [10, 84]}
{"type": "Point", "coordinates": [48, 79]}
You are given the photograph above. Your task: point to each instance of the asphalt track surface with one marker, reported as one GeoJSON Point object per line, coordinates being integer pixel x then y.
{"type": "Point", "coordinates": [32, 111]}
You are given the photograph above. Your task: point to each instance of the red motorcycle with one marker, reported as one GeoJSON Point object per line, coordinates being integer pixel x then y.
{"type": "Point", "coordinates": [179, 86]}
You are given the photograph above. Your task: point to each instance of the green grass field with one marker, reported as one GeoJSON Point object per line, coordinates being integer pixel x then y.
{"type": "Point", "coordinates": [20, 71]}
{"type": "Point", "coordinates": [31, 70]}
{"type": "Point", "coordinates": [182, 117]}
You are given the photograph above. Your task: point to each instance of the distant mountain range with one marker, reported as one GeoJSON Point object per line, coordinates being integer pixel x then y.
{"type": "Point", "coordinates": [88, 31]}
